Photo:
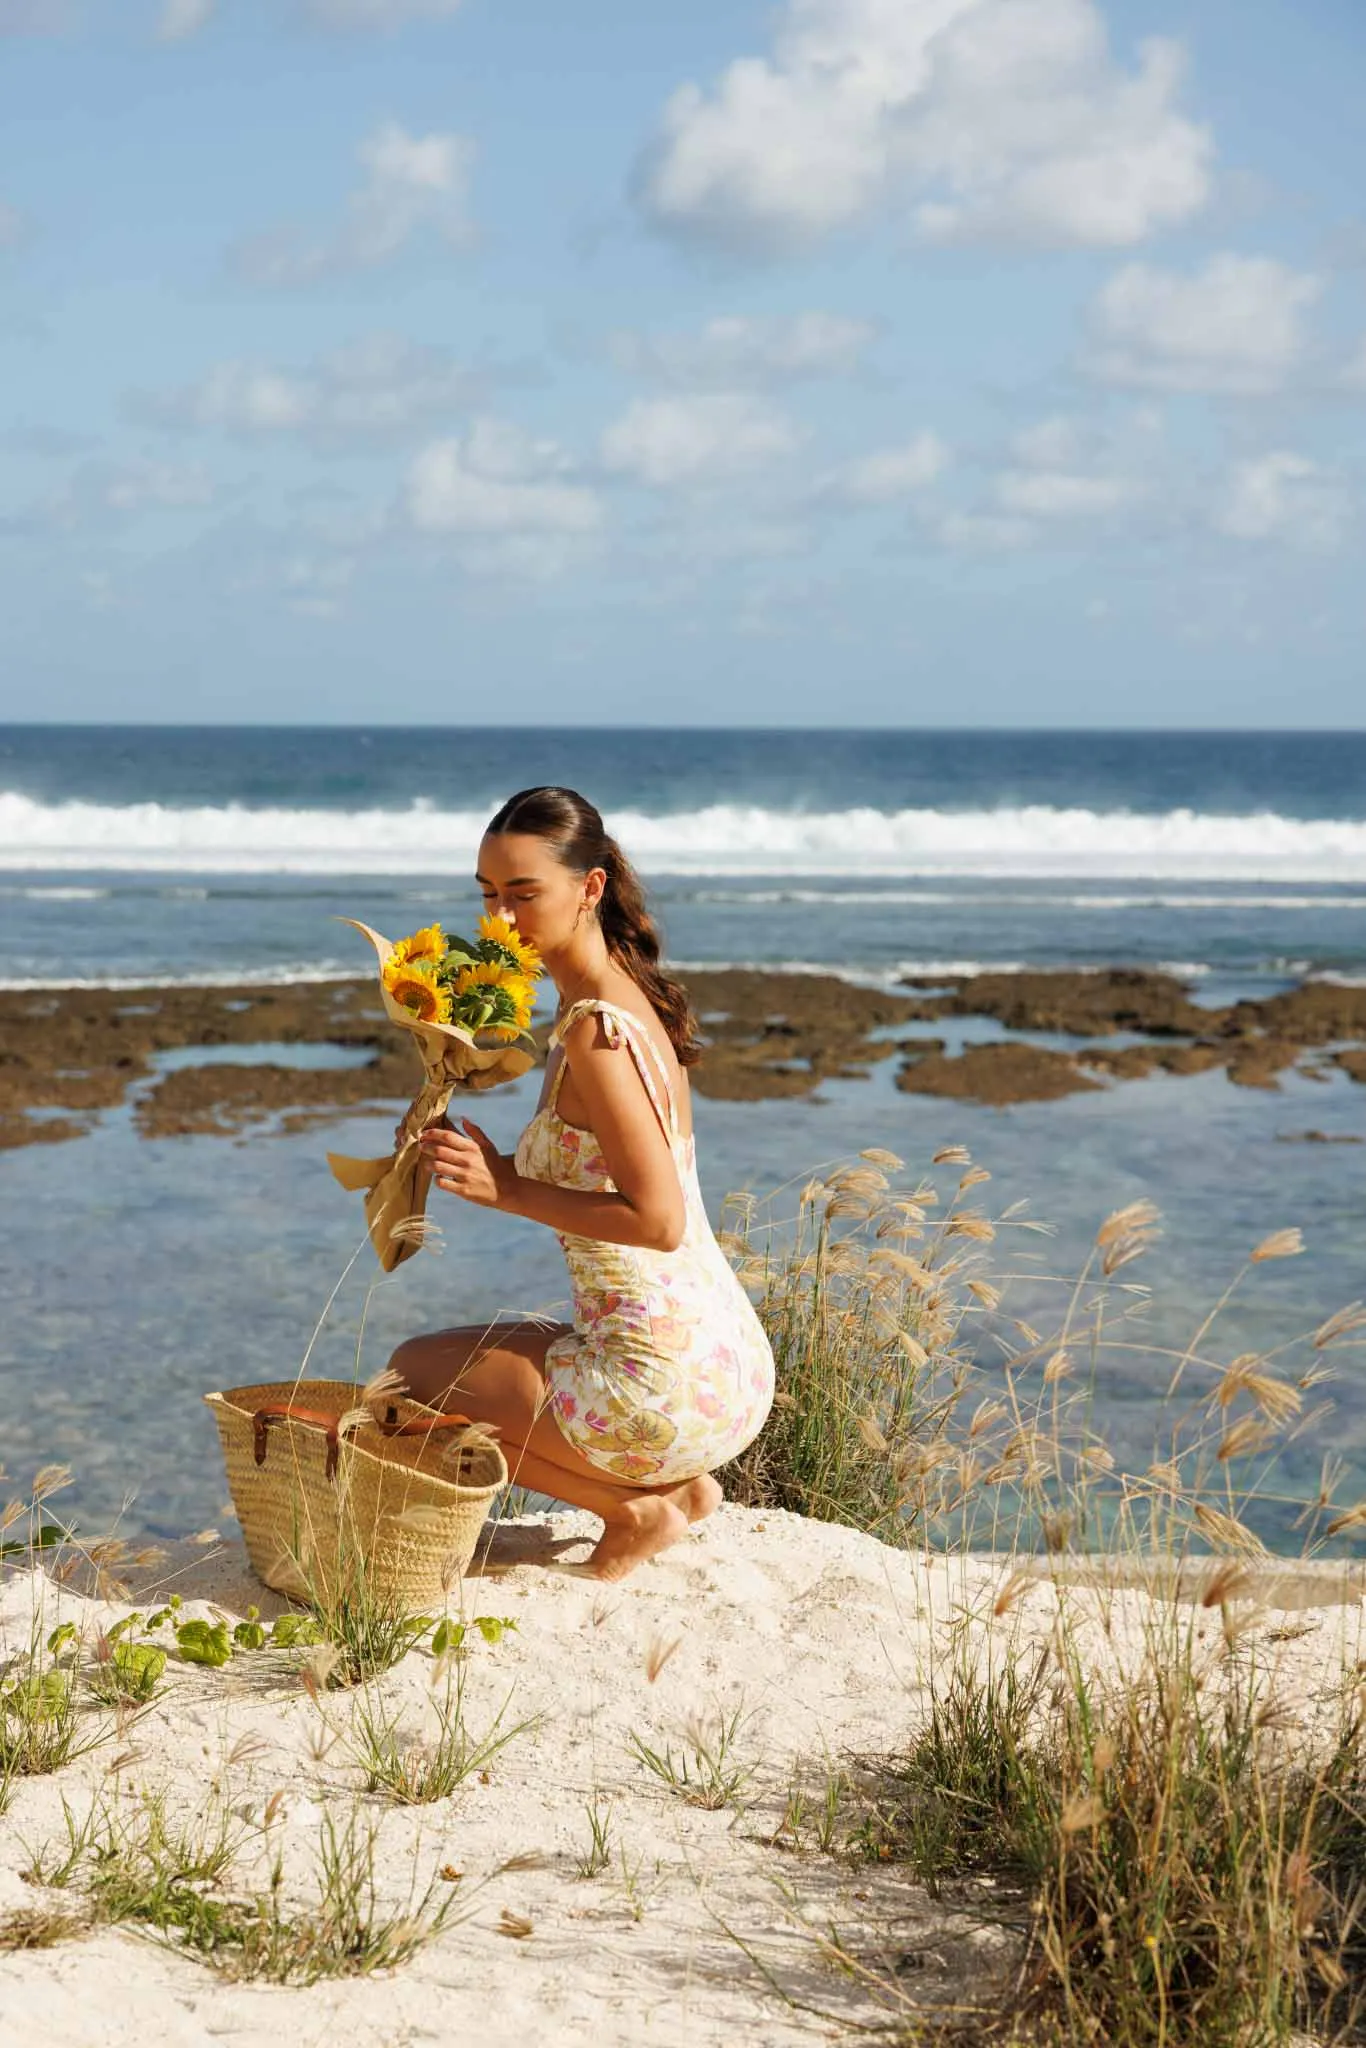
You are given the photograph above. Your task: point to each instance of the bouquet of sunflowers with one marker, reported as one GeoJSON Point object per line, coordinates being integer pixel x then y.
{"type": "Point", "coordinates": [484, 986]}
{"type": "Point", "coordinates": [467, 1004]}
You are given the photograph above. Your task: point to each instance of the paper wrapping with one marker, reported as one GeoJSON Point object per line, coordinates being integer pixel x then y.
{"type": "Point", "coordinates": [396, 1187]}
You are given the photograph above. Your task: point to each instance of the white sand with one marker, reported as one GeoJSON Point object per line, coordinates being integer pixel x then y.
{"type": "Point", "coordinates": [822, 1636]}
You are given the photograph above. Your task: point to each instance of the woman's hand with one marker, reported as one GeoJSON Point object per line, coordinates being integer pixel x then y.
{"type": "Point", "coordinates": [466, 1162]}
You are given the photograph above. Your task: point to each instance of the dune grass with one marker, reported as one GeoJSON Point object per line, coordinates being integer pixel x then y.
{"type": "Point", "coordinates": [1180, 1855]}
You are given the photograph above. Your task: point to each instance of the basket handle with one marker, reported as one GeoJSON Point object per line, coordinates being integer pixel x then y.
{"type": "Point", "coordinates": [290, 1411]}
{"type": "Point", "coordinates": [418, 1425]}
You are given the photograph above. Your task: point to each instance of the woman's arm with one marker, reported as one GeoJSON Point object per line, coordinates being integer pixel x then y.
{"type": "Point", "coordinates": [647, 1209]}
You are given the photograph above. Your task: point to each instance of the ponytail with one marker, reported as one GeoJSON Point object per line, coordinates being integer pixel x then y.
{"type": "Point", "coordinates": [581, 841]}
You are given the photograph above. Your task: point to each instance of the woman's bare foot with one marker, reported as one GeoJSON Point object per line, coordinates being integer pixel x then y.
{"type": "Point", "coordinates": [641, 1528]}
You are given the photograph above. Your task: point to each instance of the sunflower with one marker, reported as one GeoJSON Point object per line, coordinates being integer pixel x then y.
{"type": "Point", "coordinates": [502, 935]}
{"type": "Point", "coordinates": [492, 997]}
{"type": "Point", "coordinates": [418, 990]}
{"type": "Point", "coordinates": [428, 944]}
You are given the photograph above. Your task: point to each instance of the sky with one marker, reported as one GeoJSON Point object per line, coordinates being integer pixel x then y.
{"type": "Point", "coordinates": [888, 362]}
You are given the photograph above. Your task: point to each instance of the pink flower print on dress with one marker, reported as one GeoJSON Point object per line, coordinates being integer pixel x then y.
{"type": "Point", "coordinates": [564, 1405]}
{"type": "Point", "coordinates": [708, 1400]}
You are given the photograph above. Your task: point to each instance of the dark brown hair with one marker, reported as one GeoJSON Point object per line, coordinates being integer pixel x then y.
{"type": "Point", "coordinates": [580, 841]}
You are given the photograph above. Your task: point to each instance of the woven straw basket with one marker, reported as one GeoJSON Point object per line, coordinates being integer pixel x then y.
{"type": "Point", "coordinates": [331, 1496]}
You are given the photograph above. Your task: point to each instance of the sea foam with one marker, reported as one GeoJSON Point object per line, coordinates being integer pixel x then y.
{"type": "Point", "coordinates": [721, 839]}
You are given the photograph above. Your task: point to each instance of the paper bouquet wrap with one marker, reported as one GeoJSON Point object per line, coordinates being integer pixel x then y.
{"type": "Point", "coordinates": [453, 1059]}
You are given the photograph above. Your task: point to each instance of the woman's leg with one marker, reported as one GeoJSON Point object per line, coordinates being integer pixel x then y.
{"type": "Point", "coordinates": [495, 1374]}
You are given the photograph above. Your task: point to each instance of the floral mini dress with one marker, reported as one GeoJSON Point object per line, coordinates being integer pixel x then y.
{"type": "Point", "coordinates": [667, 1372]}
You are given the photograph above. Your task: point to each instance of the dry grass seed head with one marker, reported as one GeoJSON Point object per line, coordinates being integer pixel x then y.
{"type": "Point", "coordinates": [1058, 1366]}
{"type": "Point", "coordinates": [1282, 1244]}
{"type": "Point", "coordinates": [983, 1291]}
{"type": "Point", "coordinates": [1351, 1518]}
{"type": "Point", "coordinates": [1124, 1222]}
{"type": "Point", "coordinates": [1246, 1435]}
{"type": "Point", "coordinates": [50, 1479]}
{"type": "Point", "coordinates": [1230, 1581]}
{"type": "Point", "coordinates": [1014, 1589]}
{"type": "Point", "coordinates": [1342, 1323]}
{"type": "Point", "coordinates": [871, 1434]}
{"type": "Point", "coordinates": [877, 1155]}
{"type": "Point", "coordinates": [1226, 1532]}
{"type": "Point", "coordinates": [1082, 1811]}
{"type": "Point", "coordinates": [952, 1155]}
{"type": "Point", "coordinates": [658, 1652]}
{"type": "Point", "coordinates": [1278, 1401]}
{"type": "Point", "coordinates": [985, 1413]}
{"type": "Point", "coordinates": [967, 1223]}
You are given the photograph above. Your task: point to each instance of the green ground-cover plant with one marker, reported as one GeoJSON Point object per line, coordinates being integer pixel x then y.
{"type": "Point", "coordinates": [413, 1771]}
{"type": "Point", "coordinates": [175, 1877]}
{"type": "Point", "coordinates": [598, 1855]}
{"type": "Point", "coordinates": [705, 1769]}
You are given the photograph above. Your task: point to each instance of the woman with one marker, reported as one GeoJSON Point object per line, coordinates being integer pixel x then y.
{"type": "Point", "coordinates": [665, 1372]}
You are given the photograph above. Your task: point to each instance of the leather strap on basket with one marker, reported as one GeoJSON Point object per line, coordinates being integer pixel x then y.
{"type": "Point", "coordinates": [287, 1411]}
{"type": "Point", "coordinates": [290, 1411]}
{"type": "Point", "coordinates": [419, 1425]}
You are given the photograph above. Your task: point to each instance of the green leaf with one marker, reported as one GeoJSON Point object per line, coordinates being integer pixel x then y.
{"type": "Point", "coordinates": [121, 1628]}
{"type": "Point", "coordinates": [492, 1627]}
{"type": "Point", "coordinates": [62, 1635]}
{"type": "Point", "coordinates": [295, 1632]}
{"type": "Point", "coordinates": [47, 1538]}
{"type": "Point", "coordinates": [38, 1698]}
{"type": "Point", "coordinates": [139, 1666]}
{"type": "Point", "coordinates": [203, 1642]}
{"type": "Point", "coordinates": [449, 1636]}
{"type": "Point", "coordinates": [249, 1635]}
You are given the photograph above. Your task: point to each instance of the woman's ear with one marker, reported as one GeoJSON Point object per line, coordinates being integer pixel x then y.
{"type": "Point", "coordinates": [594, 886]}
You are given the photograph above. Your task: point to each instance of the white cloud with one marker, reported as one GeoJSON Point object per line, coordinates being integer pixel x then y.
{"type": "Point", "coordinates": [181, 19]}
{"type": "Point", "coordinates": [1061, 494]}
{"type": "Point", "coordinates": [101, 492]}
{"type": "Point", "coordinates": [889, 473]}
{"type": "Point", "coordinates": [315, 585]}
{"type": "Point", "coordinates": [1354, 376]}
{"type": "Point", "coordinates": [412, 182]}
{"type": "Point", "coordinates": [498, 483]}
{"type": "Point", "coordinates": [136, 486]}
{"type": "Point", "coordinates": [1286, 497]}
{"type": "Point", "coordinates": [982, 533]}
{"type": "Point", "coordinates": [698, 439]}
{"type": "Point", "coordinates": [380, 386]}
{"type": "Point", "coordinates": [999, 119]}
{"type": "Point", "coordinates": [1055, 443]}
{"type": "Point", "coordinates": [1234, 326]}
{"type": "Point", "coordinates": [732, 350]}
{"type": "Point", "coordinates": [378, 14]}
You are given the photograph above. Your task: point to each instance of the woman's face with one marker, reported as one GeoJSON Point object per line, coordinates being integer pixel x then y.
{"type": "Point", "coordinates": [520, 878]}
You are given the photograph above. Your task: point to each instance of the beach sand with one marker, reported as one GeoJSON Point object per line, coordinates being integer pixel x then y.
{"type": "Point", "coordinates": [705, 1927]}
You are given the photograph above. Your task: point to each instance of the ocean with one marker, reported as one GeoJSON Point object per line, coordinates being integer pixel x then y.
{"type": "Point", "coordinates": [137, 1273]}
